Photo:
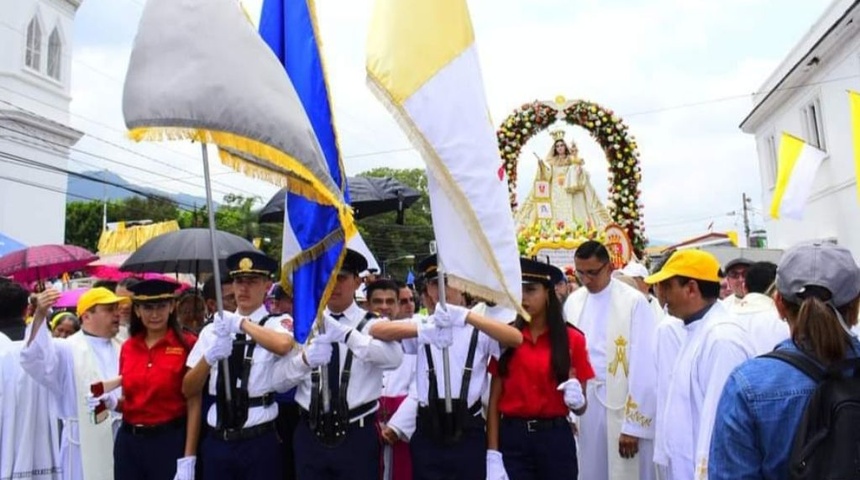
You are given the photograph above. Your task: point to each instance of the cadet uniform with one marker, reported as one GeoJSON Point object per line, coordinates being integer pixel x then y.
{"type": "Point", "coordinates": [451, 446]}
{"type": "Point", "coordinates": [152, 435]}
{"type": "Point", "coordinates": [242, 442]}
{"type": "Point", "coordinates": [341, 443]}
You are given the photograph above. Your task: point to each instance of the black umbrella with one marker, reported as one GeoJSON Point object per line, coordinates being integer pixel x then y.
{"type": "Point", "coordinates": [368, 196]}
{"type": "Point", "coordinates": [185, 251]}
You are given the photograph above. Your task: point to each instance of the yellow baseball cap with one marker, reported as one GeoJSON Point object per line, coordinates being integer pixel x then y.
{"type": "Point", "coordinates": [97, 296]}
{"type": "Point", "coordinates": [695, 264]}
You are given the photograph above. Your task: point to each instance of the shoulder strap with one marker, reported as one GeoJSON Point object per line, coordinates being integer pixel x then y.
{"type": "Point", "coordinates": [800, 362]}
{"type": "Point", "coordinates": [249, 353]}
{"type": "Point", "coordinates": [347, 362]}
{"type": "Point", "coordinates": [467, 370]}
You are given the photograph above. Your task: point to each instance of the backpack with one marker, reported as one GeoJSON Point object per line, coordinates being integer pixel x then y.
{"type": "Point", "coordinates": [826, 445]}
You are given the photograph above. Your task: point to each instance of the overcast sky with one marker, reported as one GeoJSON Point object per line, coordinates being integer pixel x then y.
{"type": "Point", "coordinates": [679, 72]}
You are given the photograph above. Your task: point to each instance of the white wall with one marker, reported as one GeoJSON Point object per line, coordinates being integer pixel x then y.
{"type": "Point", "coordinates": [27, 88]}
{"type": "Point", "coordinates": [29, 214]}
{"type": "Point", "coordinates": [33, 201]}
{"type": "Point", "coordinates": [833, 207]}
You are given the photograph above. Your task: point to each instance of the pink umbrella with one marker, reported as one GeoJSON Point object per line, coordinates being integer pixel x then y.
{"type": "Point", "coordinates": [44, 261]}
{"type": "Point", "coordinates": [69, 298]}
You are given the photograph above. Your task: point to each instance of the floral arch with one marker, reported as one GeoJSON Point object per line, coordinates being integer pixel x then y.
{"type": "Point", "coordinates": [610, 132]}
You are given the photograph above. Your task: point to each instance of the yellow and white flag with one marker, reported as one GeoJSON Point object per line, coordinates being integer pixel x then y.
{"type": "Point", "coordinates": [423, 65]}
{"type": "Point", "coordinates": [797, 163]}
{"type": "Point", "coordinates": [854, 99]}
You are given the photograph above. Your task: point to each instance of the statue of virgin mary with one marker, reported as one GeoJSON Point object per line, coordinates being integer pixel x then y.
{"type": "Point", "coordinates": [562, 191]}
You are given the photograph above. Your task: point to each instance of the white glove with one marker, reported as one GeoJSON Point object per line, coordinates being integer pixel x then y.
{"type": "Point", "coordinates": [439, 337]}
{"type": "Point", "coordinates": [220, 349]}
{"type": "Point", "coordinates": [229, 322]}
{"type": "Point", "coordinates": [334, 330]}
{"type": "Point", "coordinates": [573, 396]}
{"type": "Point", "coordinates": [318, 352]}
{"type": "Point", "coordinates": [110, 400]}
{"type": "Point", "coordinates": [185, 468]}
{"type": "Point", "coordinates": [450, 316]}
{"type": "Point", "coordinates": [495, 466]}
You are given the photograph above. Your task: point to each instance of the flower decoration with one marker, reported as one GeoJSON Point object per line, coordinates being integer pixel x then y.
{"type": "Point", "coordinates": [543, 235]}
{"type": "Point", "coordinates": [610, 132]}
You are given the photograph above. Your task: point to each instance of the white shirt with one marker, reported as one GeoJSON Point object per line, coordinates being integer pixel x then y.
{"type": "Point", "coordinates": [762, 321]}
{"type": "Point", "coordinates": [669, 337]}
{"type": "Point", "coordinates": [260, 379]}
{"type": "Point", "coordinates": [713, 347]}
{"type": "Point", "coordinates": [457, 353]}
{"type": "Point", "coordinates": [395, 383]}
{"type": "Point", "coordinates": [370, 358]}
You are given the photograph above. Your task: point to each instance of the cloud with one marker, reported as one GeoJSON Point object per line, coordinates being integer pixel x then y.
{"type": "Point", "coordinates": [655, 62]}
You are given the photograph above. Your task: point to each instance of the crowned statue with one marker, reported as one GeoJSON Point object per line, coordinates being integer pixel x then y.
{"type": "Point", "coordinates": [562, 191]}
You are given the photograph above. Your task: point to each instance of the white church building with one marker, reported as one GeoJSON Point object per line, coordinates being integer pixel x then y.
{"type": "Point", "coordinates": [806, 96]}
{"type": "Point", "coordinates": [35, 137]}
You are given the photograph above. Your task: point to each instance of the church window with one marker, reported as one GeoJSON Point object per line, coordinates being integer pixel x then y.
{"type": "Point", "coordinates": [771, 160]}
{"type": "Point", "coordinates": [813, 126]}
{"type": "Point", "coordinates": [33, 57]}
{"type": "Point", "coordinates": [55, 54]}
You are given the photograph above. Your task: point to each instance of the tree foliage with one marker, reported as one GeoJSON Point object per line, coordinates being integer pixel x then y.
{"type": "Point", "coordinates": [388, 240]}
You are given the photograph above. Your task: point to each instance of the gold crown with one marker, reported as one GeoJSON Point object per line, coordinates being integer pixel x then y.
{"type": "Point", "coordinates": [246, 264]}
{"type": "Point", "coordinates": [557, 135]}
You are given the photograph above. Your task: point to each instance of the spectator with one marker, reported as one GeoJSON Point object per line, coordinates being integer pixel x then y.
{"type": "Point", "coordinates": [764, 399]}
{"type": "Point", "coordinates": [64, 324]}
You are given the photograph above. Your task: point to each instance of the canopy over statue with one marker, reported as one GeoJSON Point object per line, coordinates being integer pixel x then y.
{"type": "Point", "coordinates": [562, 191]}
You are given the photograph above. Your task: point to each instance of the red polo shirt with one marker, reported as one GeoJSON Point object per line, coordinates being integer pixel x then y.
{"type": "Point", "coordinates": [152, 379]}
{"type": "Point", "coordinates": [530, 388]}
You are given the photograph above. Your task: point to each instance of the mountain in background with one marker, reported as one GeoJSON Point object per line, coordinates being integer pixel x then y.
{"type": "Point", "coordinates": [83, 190]}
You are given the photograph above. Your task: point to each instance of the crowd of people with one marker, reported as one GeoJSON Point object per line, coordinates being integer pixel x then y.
{"type": "Point", "coordinates": [687, 371]}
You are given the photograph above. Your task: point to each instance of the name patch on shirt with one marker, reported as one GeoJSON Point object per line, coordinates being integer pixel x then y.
{"type": "Point", "coordinates": [174, 351]}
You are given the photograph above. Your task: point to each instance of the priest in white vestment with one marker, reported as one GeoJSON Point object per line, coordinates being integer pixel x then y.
{"type": "Point", "coordinates": [715, 343]}
{"type": "Point", "coordinates": [616, 432]}
{"type": "Point", "coordinates": [758, 311]}
{"type": "Point", "coordinates": [67, 367]}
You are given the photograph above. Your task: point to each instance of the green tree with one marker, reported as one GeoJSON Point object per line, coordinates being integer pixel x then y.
{"type": "Point", "coordinates": [84, 224]}
{"type": "Point", "coordinates": [388, 240]}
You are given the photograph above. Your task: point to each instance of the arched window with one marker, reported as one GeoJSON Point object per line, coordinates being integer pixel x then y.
{"type": "Point", "coordinates": [55, 54]}
{"type": "Point", "coordinates": [33, 57]}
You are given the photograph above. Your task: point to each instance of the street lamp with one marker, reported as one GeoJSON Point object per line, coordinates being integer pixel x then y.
{"type": "Point", "coordinates": [396, 259]}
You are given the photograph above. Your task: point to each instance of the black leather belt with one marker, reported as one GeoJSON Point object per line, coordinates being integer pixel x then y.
{"type": "Point", "coordinates": [536, 424]}
{"type": "Point", "coordinates": [263, 401]}
{"type": "Point", "coordinates": [355, 414]}
{"type": "Point", "coordinates": [153, 429]}
{"type": "Point", "coordinates": [238, 434]}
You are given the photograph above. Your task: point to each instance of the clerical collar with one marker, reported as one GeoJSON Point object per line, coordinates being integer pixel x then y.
{"type": "Point", "coordinates": [699, 315]}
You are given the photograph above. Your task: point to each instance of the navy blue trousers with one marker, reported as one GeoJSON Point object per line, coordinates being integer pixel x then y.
{"type": "Point", "coordinates": [543, 454]}
{"type": "Point", "coordinates": [356, 458]}
{"type": "Point", "coordinates": [148, 457]}
{"type": "Point", "coordinates": [257, 458]}
{"type": "Point", "coordinates": [465, 460]}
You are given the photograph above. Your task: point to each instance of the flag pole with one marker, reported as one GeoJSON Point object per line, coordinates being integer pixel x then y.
{"type": "Point", "coordinates": [223, 364]}
{"type": "Point", "coordinates": [446, 359]}
{"type": "Point", "coordinates": [326, 393]}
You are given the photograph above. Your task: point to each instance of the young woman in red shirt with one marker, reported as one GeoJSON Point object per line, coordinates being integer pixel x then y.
{"type": "Point", "coordinates": [535, 386]}
{"type": "Point", "coordinates": [159, 433]}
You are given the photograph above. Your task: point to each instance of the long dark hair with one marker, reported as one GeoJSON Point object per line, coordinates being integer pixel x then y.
{"type": "Point", "coordinates": [558, 340]}
{"type": "Point", "coordinates": [815, 327]}
{"type": "Point", "coordinates": [135, 326]}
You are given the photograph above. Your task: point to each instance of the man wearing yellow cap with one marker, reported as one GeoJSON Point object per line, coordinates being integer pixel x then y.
{"type": "Point", "coordinates": [67, 367]}
{"type": "Point", "coordinates": [715, 343]}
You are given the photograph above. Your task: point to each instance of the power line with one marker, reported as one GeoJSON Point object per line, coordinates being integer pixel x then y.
{"type": "Point", "coordinates": [100, 157]}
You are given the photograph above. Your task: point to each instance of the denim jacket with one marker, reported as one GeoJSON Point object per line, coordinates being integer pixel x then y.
{"type": "Point", "coordinates": [759, 411]}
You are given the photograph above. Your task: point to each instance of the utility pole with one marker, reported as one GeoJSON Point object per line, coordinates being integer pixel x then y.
{"type": "Point", "coordinates": [746, 201]}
